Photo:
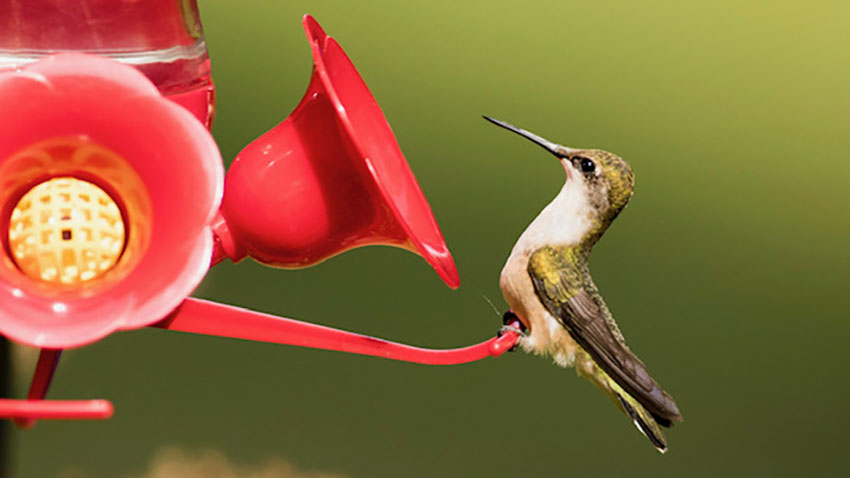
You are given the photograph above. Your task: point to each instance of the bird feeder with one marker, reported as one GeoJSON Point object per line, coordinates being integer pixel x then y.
{"type": "Point", "coordinates": [114, 202]}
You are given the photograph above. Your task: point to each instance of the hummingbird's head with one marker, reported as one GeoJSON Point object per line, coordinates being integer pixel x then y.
{"type": "Point", "coordinates": [606, 179]}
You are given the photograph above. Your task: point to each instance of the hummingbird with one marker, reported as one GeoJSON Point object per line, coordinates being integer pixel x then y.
{"type": "Point", "coordinates": [547, 284]}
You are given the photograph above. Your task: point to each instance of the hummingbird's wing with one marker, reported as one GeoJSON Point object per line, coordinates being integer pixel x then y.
{"type": "Point", "coordinates": [568, 294]}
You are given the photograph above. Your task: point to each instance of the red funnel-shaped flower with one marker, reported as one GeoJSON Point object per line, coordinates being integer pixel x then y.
{"type": "Point", "coordinates": [328, 178]}
{"type": "Point", "coordinates": [107, 191]}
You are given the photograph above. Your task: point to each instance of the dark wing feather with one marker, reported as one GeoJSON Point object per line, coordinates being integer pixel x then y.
{"type": "Point", "coordinates": [561, 286]}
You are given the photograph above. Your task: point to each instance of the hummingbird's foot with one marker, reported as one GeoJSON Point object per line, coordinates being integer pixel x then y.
{"type": "Point", "coordinates": [511, 319]}
{"type": "Point", "coordinates": [512, 324]}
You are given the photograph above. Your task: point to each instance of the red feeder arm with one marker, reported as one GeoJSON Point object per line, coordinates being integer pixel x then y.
{"type": "Point", "coordinates": [151, 211]}
{"type": "Point", "coordinates": [211, 318]}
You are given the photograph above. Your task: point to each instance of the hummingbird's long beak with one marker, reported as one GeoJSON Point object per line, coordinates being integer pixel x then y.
{"type": "Point", "coordinates": [554, 148]}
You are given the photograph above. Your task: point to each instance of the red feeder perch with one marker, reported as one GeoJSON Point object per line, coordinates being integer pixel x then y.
{"type": "Point", "coordinates": [113, 205]}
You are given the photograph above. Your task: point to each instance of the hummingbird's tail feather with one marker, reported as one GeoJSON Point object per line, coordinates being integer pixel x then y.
{"type": "Point", "coordinates": [643, 420]}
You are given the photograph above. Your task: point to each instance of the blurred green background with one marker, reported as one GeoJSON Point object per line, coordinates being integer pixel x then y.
{"type": "Point", "coordinates": [727, 272]}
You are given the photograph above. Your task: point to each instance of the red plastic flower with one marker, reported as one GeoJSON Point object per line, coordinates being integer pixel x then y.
{"type": "Point", "coordinates": [107, 191]}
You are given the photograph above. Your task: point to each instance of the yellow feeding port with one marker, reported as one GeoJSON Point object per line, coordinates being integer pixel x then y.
{"type": "Point", "coordinates": [66, 231]}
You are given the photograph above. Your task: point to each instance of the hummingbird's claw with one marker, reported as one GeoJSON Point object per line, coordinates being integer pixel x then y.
{"type": "Point", "coordinates": [511, 328]}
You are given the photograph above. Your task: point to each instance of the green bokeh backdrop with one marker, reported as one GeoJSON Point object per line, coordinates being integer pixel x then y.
{"type": "Point", "coordinates": [727, 273]}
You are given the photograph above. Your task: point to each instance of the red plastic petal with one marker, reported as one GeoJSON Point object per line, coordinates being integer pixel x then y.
{"type": "Point", "coordinates": [116, 130]}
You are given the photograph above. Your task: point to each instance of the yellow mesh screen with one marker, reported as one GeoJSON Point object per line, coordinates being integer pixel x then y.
{"type": "Point", "coordinates": [66, 230]}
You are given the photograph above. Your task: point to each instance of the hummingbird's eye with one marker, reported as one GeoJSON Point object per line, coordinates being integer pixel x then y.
{"type": "Point", "coordinates": [587, 166]}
